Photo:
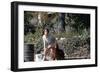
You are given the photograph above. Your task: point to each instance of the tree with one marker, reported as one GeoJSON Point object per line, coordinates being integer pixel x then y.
{"type": "Point", "coordinates": [61, 22]}
{"type": "Point", "coordinates": [79, 22]}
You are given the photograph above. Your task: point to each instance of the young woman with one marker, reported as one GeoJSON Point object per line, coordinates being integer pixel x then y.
{"type": "Point", "coordinates": [49, 41]}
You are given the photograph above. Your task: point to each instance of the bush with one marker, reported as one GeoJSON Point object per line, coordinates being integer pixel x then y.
{"type": "Point", "coordinates": [75, 47]}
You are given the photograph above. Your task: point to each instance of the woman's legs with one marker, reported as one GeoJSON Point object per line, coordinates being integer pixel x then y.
{"type": "Point", "coordinates": [45, 53]}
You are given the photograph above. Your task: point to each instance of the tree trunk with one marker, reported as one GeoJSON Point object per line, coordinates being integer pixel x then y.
{"type": "Point", "coordinates": [61, 22]}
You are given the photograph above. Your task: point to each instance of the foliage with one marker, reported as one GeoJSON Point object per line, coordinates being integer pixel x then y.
{"type": "Point", "coordinates": [75, 47]}
{"type": "Point", "coordinates": [78, 21]}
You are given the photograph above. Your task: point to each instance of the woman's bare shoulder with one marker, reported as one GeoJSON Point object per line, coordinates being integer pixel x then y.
{"type": "Point", "coordinates": [43, 36]}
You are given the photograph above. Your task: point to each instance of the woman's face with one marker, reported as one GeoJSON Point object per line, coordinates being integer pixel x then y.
{"type": "Point", "coordinates": [45, 32]}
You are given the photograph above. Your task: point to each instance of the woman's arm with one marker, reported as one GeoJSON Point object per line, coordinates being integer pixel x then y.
{"type": "Point", "coordinates": [44, 48]}
{"type": "Point", "coordinates": [44, 43]}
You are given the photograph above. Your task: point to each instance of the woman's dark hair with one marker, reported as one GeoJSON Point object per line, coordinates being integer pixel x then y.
{"type": "Point", "coordinates": [44, 30]}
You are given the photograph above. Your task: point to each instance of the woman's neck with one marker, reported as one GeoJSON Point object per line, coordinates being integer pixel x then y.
{"type": "Point", "coordinates": [47, 35]}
